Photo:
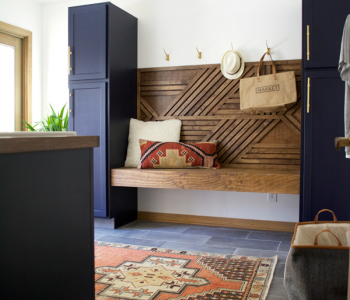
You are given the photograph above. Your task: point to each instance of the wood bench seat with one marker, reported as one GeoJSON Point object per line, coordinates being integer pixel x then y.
{"type": "Point", "coordinates": [225, 179]}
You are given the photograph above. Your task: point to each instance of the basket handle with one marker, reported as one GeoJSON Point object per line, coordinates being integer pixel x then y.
{"type": "Point", "coordinates": [260, 65]}
{"type": "Point", "coordinates": [334, 217]}
{"type": "Point", "coordinates": [326, 230]}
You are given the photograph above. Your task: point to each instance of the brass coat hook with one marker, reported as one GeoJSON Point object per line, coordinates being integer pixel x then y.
{"type": "Point", "coordinates": [166, 55]}
{"type": "Point", "coordinates": [268, 49]}
{"type": "Point", "coordinates": [199, 53]}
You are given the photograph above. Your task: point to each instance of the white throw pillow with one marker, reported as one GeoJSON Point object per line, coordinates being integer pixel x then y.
{"type": "Point", "coordinates": [161, 131]}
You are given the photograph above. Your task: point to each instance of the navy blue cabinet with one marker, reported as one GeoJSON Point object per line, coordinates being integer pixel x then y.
{"type": "Point", "coordinates": [88, 42]}
{"type": "Point", "coordinates": [103, 97]}
{"type": "Point", "coordinates": [324, 21]}
{"type": "Point", "coordinates": [88, 117]}
{"type": "Point", "coordinates": [325, 172]}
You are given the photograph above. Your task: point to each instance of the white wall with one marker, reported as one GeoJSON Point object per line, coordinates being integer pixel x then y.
{"type": "Point", "coordinates": [180, 25]}
{"type": "Point", "coordinates": [27, 15]}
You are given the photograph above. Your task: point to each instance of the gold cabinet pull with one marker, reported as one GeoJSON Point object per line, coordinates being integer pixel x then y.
{"type": "Point", "coordinates": [308, 42]}
{"type": "Point", "coordinates": [69, 54]}
{"type": "Point", "coordinates": [69, 110]}
{"type": "Point", "coordinates": [308, 95]}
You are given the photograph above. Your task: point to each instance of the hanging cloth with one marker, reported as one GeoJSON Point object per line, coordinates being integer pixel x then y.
{"type": "Point", "coordinates": [344, 69]}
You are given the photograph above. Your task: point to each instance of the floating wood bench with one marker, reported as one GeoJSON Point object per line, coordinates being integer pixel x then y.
{"type": "Point", "coordinates": [258, 153]}
{"type": "Point", "coordinates": [225, 179]}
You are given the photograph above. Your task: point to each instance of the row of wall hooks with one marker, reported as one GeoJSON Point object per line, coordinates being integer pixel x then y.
{"type": "Point", "coordinates": [199, 56]}
{"type": "Point", "coordinates": [167, 56]}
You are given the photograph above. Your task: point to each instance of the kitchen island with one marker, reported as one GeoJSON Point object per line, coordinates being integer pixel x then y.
{"type": "Point", "coordinates": [46, 218]}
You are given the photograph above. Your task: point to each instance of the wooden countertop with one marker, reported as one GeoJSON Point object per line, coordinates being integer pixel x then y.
{"type": "Point", "coordinates": [21, 145]}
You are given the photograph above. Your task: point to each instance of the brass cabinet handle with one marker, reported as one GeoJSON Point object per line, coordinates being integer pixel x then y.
{"type": "Point", "coordinates": [69, 95]}
{"type": "Point", "coordinates": [69, 54]}
{"type": "Point", "coordinates": [308, 42]}
{"type": "Point", "coordinates": [308, 95]}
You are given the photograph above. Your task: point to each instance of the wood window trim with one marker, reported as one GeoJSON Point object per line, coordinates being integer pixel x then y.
{"type": "Point", "coordinates": [26, 36]}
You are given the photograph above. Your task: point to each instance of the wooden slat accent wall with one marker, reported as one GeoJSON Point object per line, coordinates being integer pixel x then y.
{"type": "Point", "coordinates": [208, 105]}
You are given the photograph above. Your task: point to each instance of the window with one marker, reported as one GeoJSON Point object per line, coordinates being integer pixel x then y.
{"type": "Point", "coordinates": [15, 77]}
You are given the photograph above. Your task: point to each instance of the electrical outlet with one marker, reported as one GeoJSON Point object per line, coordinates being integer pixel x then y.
{"type": "Point", "coordinates": [271, 197]}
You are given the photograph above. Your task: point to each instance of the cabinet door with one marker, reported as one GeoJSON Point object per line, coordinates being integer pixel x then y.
{"type": "Point", "coordinates": [326, 22]}
{"type": "Point", "coordinates": [88, 117]}
{"type": "Point", "coordinates": [87, 31]}
{"type": "Point", "coordinates": [326, 171]}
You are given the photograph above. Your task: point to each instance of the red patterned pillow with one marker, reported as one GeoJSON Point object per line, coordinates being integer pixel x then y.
{"type": "Point", "coordinates": [168, 155]}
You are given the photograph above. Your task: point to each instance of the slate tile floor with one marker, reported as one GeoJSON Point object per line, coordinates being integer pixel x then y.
{"type": "Point", "coordinates": [207, 239]}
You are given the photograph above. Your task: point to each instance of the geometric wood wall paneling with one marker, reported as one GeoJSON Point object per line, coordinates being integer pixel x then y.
{"type": "Point", "coordinates": [209, 106]}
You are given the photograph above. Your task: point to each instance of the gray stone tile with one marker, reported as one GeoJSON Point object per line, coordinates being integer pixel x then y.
{"type": "Point", "coordinates": [176, 237]}
{"type": "Point", "coordinates": [242, 243]}
{"type": "Point", "coordinates": [120, 232]}
{"type": "Point", "coordinates": [196, 247]}
{"type": "Point", "coordinates": [157, 226]}
{"type": "Point", "coordinates": [270, 236]}
{"type": "Point", "coordinates": [282, 256]}
{"type": "Point", "coordinates": [279, 271]}
{"type": "Point", "coordinates": [284, 246]}
{"type": "Point", "coordinates": [217, 232]}
{"type": "Point", "coordinates": [272, 297]}
{"type": "Point", "coordinates": [96, 236]}
{"type": "Point", "coordinates": [131, 241]}
{"type": "Point", "coordinates": [277, 288]}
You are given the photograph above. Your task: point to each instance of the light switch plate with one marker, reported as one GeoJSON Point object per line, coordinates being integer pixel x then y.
{"type": "Point", "coordinates": [271, 197]}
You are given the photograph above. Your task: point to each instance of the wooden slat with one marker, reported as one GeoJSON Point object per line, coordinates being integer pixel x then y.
{"type": "Point", "coordinates": [227, 142]}
{"type": "Point", "coordinates": [160, 93]}
{"type": "Point", "coordinates": [290, 125]}
{"type": "Point", "coordinates": [222, 126]}
{"type": "Point", "coordinates": [257, 138]}
{"type": "Point", "coordinates": [216, 108]}
{"type": "Point", "coordinates": [146, 112]}
{"type": "Point", "coordinates": [211, 104]}
{"type": "Point", "coordinates": [197, 128]}
{"type": "Point", "coordinates": [190, 92]}
{"type": "Point", "coordinates": [148, 107]}
{"type": "Point", "coordinates": [274, 150]}
{"type": "Point", "coordinates": [226, 179]}
{"type": "Point", "coordinates": [271, 161]}
{"type": "Point", "coordinates": [239, 139]}
{"type": "Point", "coordinates": [292, 146]}
{"type": "Point", "coordinates": [199, 104]}
{"type": "Point", "coordinates": [206, 86]}
{"type": "Point", "coordinates": [272, 155]}
{"type": "Point", "coordinates": [138, 95]}
{"type": "Point", "coordinates": [192, 138]}
{"type": "Point", "coordinates": [164, 82]}
{"type": "Point", "coordinates": [196, 132]}
{"type": "Point", "coordinates": [200, 123]}
{"type": "Point", "coordinates": [194, 80]}
{"type": "Point", "coordinates": [228, 117]}
{"type": "Point", "coordinates": [163, 88]}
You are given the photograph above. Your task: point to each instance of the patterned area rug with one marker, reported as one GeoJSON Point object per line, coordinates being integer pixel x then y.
{"type": "Point", "coordinates": [136, 272]}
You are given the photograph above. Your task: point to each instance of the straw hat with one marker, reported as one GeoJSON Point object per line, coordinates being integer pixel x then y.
{"type": "Point", "coordinates": [232, 64]}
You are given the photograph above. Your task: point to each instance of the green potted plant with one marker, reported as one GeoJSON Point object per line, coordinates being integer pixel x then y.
{"type": "Point", "coordinates": [53, 122]}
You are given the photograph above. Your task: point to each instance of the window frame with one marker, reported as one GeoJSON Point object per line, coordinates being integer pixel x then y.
{"type": "Point", "coordinates": [26, 37]}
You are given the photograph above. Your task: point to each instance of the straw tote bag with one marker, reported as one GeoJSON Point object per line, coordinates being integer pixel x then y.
{"type": "Point", "coordinates": [268, 93]}
{"type": "Point", "coordinates": [318, 261]}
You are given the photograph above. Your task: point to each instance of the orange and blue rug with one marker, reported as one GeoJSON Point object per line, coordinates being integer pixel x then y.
{"type": "Point", "coordinates": [135, 272]}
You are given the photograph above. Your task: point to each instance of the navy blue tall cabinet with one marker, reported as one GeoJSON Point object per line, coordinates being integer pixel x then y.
{"type": "Point", "coordinates": [325, 173]}
{"type": "Point", "coordinates": [102, 49]}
